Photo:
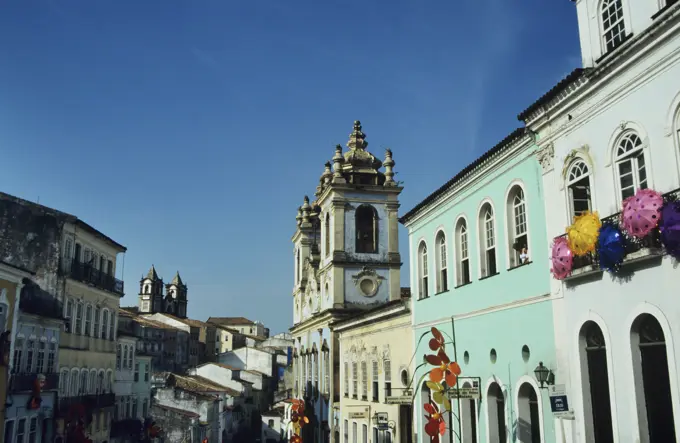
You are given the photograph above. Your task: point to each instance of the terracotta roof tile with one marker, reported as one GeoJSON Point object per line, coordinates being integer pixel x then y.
{"type": "Point", "coordinates": [230, 321]}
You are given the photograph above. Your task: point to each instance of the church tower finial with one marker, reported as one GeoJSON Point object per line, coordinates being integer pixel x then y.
{"type": "Point", "coordinates": [357, 139]}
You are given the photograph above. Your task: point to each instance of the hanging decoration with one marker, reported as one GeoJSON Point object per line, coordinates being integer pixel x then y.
{"type": "Point", "coordinates": [35, 400]}
{"type": "Point", "coordinates": [562, 258]}
{"type": "Point", "coordinates": [641, 213]}
{"type": "Point", "coordinates": [670, 228]}
{"type": "Point", "coordinates": [611, 247]}
{"type": "Point", "coordinates": [582, 234]}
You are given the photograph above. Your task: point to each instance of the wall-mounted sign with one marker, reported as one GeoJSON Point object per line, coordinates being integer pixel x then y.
{"type": "Point", "coordinates": [466, 393]}
{"type": "Point", "coordinates": [558, 402]}
{"type": "Point", "coordinates": [358, 415]}
{"type": "Point", "coordinates": [382, 420]}
{"type": "Point", "coordinates": [399, 400]}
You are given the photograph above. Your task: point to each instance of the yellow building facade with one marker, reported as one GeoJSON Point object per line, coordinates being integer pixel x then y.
{"type": "Point", "coordinates": [376, 351]}
{"type": "Point", "coordinates": [10, 288]}
{"type": "Point", "coordinates": [87, 352]}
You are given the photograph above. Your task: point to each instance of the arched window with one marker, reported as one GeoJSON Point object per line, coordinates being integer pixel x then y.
{"type": "Point", "coordinates": [366, 224]}
{"type": "Point", "coordinates": [327, 233]}
{"type": "Point", "coordinates": [495, 402]}
{"type": "Point", "coordinates": [462, 253]}
{"type": "Point", "coordinates": [119, 354]}
{"type": "Point", "coordinates": [83, 382]}
{"type": "Point", "coordinates": [4, 309]}
{"type": "Point", "coordinates": [79, 318]}
{"type": "Point", "coordinates": [442, 277]}
{"type": "Point", "coordinates": [527, 414]}
{"type": "Point", "coordinates": [518, 236]}
{"type": "Point", "coordinates": [75, 382]}
{"type": "Point", "coordinates": [578, 187]}
{"type": "Point", "coordinates": [100, 382]}
{"type": "Point", "coordinates": [346, 379]}
{"type": "Point", "coordinates": [298, 266]}
{"type": "Point", "coordinates": [112, 330]}
{"type": "Point", "coordinates": [97, 325]}
{"type": "Point", "coordinates": [109, 381]}
{"type": "Point", "coordinates": [105, 323]}
{"type": "Point", "coordinates": [422, 271]}
{"type": "Point", "coordinates": [650, 365]}
{"type": "Point", "coordinates": [88, 320]}
{"type": "Point", "coordinates": [92, 385]}
{"type": "Point", "coordinates": [630, 165]}
{"type": "Point", "coordinates": [63, 382]}
{"type": "Point", "coordinates": [487, 241]}
{"type": "Point", "coordinates": [469, 417]}
{"type": "Point", "coordinates": [613, 26]}
{"type": "Point", "coordinates": [364, 380]}
{"type": "Point", "coordinates": [597, 410]}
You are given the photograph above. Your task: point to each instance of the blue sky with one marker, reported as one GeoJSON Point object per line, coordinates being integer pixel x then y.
{"type": "Point", "coordinates": [190, 130]}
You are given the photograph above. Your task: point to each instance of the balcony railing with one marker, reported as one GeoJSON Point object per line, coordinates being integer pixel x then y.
{"type": "Point", "coordinates": [36, 301]}
{"type": "Point", "coordinates": [25, 382]}
{"type": "Point", "coordinates": [88, 274]}
{"type": "Point", "coordinates": [128, 427]}
{"type": "Point", "coordinates": [652, 242]}
{"type": "Point", "coordinates": [86, 402]}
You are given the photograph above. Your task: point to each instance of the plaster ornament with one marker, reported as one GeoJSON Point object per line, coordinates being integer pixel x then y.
{"type": "Point", "coordinates": [386, 352]}
{"type": "Point", "coordinates": [368, 281]}
{"type": "Point", "coordinates": [545, 156]}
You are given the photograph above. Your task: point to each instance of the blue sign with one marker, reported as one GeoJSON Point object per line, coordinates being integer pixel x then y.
{"type": "Point", "coordinates": [559, 403]}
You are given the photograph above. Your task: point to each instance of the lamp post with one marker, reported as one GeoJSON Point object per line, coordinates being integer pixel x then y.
{"type": "Point", "coordinates": [544, 376]}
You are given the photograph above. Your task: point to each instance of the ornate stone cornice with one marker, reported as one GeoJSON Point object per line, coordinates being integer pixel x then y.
{"type": "Point", "coordinates": [546, 156]}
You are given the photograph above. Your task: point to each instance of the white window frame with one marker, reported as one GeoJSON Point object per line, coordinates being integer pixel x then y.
{"type": "Point", "coordinates": [609, 30]}
{"type": "Point", "coordinates": [623, 153]}
{"type": "Point", "coordinates": [516, 209]}
{"type": "Point", "coordinates": [423, 280]}
{"type": "Point", "coordinates": [462, 251]}
{"type": "Point", "coordinates": [578, 170]}
{"type": "Point", "coordinates": [442, 262]}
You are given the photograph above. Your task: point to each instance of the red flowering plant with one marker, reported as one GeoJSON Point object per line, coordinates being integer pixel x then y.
{"type": "Point", "coordinates": [443, 376]}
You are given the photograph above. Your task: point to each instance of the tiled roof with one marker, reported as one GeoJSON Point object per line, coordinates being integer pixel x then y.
{"type": "Point", "coordinates": [197, 384]}
{"type": "Point", "coordinates": [553, 92]}
{"type": "Point", "coordinates": [221, 365]}
{"type": "Point", "coordinates": [231, 321]}
{"type": "Point", "coordinates": [153, 323]}
{"type": "Point", "coordinates": [517, 134]}
{"type": "Point", "coordinates": [177, 411]}
{"type": "Point", "coordinates": [228, 390]}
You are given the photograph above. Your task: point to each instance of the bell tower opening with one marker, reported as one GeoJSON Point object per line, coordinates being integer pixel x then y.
{"type": "Point", "coordinates": [367, 229]}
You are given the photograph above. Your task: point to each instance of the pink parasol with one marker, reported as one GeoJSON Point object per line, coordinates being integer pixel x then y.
{"type": "Point", "coordinates": [562, 258]}
{"type": "Point", "coordinates": [641, 212]}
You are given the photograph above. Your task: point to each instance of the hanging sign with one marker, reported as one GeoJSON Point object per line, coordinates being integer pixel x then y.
{"type": "Point", "coordinates": [559, 403]}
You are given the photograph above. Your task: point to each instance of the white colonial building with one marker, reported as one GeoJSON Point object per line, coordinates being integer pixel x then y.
{"type": "Point", "coordinates": [346, 252]}
{"type": "Point", "coordinates": [606, 131]}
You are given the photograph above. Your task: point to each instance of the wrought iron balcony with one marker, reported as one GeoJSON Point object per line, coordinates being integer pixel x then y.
{"type": "Point", "coordinates": [88, 274]}
{"type": "Point", "coordinates": [127, 427]}
{"type": "Point", "coordinates": [86, 402]}
{"type": "Point", "coordinates": [25, 382]}
{"type": "Point", "coordinates": [36, 301]}
{"type": "Point", "coordinates": [652, 241]}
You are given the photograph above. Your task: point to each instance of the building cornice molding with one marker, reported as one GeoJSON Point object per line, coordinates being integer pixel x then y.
{"type": "Point", "coordinates": [378, 316]}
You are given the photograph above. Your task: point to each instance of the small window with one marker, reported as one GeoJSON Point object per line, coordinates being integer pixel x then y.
{"type": "Point", "coordinates": [422, 259]}
{"type": "Point", "coordinates": [346, 378]}
{"type": "Point", "coordinates": [366, 229]}
{"type": "Point", "coordinates": [21, 431]}
{"type": "Point", "coordinates": [613, 26]}
{"type": "Point", "coordinates": [387, 369]}
{"type": "Point", "coordinates": [517, 227]}
{"type": "Point", "coordinates": [487, 241]}
{"type": "Point", "coordinates": [355, 380]}
{"type": "Point", "coordinates": [578, 187]}
{"type": "Point", "coordinates": [630, 165]}
{"type": "Point", "coordinates": [40, 360]}
{"type": "Point", "coordinates": [88, 320]}
{"type": "Point", "coordinates": [327, 234]}
{"type": "Point", "coordinates": [137, 371]}
{"type": "Point", "coordinates": [375, 382]}
{"type": "Point", "coordinates": [442, 275]}
{"type": "Point", "coordinates": [79, 319]}
{"type": "Point", "coordinates": [463, 253]}
{"type": "Point", "coordinates": [270, 423]}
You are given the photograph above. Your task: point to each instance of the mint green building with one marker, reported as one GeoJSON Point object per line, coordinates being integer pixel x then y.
{"type": "Point", "coordinates": [479, 264]}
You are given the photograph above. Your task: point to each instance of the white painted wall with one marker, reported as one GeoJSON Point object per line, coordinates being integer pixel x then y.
{"type": "Point", "coordinates": [644, 96]}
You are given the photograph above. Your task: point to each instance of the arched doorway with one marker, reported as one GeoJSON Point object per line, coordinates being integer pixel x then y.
{"type": "Point", "coordinates": [528, 417]}
{"type": "Point", "coordinates": [495, 403]}
{"type": "Point", "coordinates": [597, 410]}
{"type": "Point", "coordinates": [652, 380]}
{"type": "Point", "coordinates": [468, 415]}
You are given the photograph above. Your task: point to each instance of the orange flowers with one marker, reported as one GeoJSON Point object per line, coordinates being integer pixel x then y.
{"type": "Point", "coordinates": [435, 425]}
{"type": "Point", "coordinates": [298, 406]}
{"type": "Point", "coordinates": [295, 439]}
{"type": "Point", "coordinates": [437, 340]}
{"type": "Point", "coordinates": [299, 419]}
{"type": "Point", "coordinates": [444, 369]}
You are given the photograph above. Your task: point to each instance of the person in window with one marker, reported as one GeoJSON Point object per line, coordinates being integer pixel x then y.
{"type": "Point", "coordinates": [524, 255]}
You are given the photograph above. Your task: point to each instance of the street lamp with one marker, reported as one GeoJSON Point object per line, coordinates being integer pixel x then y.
{"type": "Point", "coordinates": [544, 376]}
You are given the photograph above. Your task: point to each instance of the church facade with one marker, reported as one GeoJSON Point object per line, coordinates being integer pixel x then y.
{"type": "Point", "coordinates": [153, 300]}
{"type": "Point", "coordinates": [346, 261]}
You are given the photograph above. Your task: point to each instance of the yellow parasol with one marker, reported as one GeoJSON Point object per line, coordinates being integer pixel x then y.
{"type": "Point", "coordinates": [582, 234]}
